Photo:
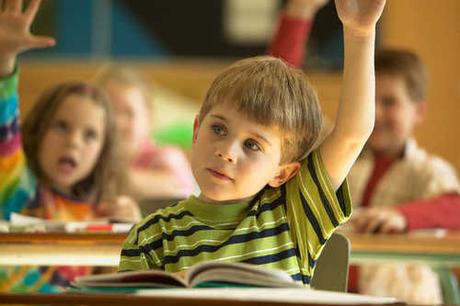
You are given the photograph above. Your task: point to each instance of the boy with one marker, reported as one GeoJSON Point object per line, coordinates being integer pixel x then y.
{"type": "Point", "coordinates": [260, 202]}
{"type": "Point", "coordinates": [398, 185]}
{"type": "Point", "coordinates": [393, 169]}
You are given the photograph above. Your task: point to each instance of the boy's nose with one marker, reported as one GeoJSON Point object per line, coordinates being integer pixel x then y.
{"type": "Point", "coordinates": [226, 155]}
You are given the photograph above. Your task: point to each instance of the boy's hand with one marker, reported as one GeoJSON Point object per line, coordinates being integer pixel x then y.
{"type": "Point", "coordinates": [384, 220]}
{"type": "Point", "coordinates": [15, 35]}
{"type": "Point", "coordinates": [304, 9]}
{"type": "Point", "coordinates": [359, 16]}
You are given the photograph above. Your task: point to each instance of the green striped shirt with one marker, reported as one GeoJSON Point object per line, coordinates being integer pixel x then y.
{"type": "Point", "coordinates": [284, 228]}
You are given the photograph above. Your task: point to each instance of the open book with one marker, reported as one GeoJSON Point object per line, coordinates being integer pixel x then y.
{"type": "Point", "coordinates": [207, 274]}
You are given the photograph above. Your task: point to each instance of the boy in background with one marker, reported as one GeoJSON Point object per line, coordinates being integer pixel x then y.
{"type": "Point", "coordinates": [393, 169]}
{"type": "Point", "coordinates": [397, 185]}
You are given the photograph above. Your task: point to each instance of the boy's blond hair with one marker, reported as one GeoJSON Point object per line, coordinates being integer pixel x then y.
{"type": "Point", "coordinates": [271, 93]}
{"type": "Point", "coordinates": [406, 65]}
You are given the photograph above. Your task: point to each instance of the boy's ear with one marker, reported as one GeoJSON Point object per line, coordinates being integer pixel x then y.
{"type": "Point", "coordinates": [284, 174]}
{"type": "Point", "coordinates": [196, 127]}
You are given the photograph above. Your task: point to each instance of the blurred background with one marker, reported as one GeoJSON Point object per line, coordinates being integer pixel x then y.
{"type": "Point", "coordinates": [162, 29]}
{"type": "Point", "coordinates": [181, 45]}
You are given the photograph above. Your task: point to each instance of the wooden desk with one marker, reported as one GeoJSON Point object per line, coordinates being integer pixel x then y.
{"type": "Point", "coordinates": [201, 297]}
{"type": "Point", "coordinates": [103, 249]}
{"type": "Point", "coordinates": [93, 249]}
{"type": "Point", "coordinates": [443, 251]}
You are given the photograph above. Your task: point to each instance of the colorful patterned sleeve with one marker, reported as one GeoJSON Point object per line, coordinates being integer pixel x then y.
{"type": "Point", "coordinates": [314, 208]}
{"type": "Point", "coordinates": [17, 183]}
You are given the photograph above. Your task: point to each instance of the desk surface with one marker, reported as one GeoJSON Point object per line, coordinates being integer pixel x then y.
{"type": "Point", "coordinates": [446, 244]}
{"type": "Point", "coordinates": [202, 297]}
{"type": "Point", "coordinates": [80, 248]}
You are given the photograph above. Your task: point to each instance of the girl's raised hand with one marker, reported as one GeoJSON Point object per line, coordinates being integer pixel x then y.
{"type": "Point", "coordinates": [15, 35]}
{"type": "Point", "coordinates": [359, 16]}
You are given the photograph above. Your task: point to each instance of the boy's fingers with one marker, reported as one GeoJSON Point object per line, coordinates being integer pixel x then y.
{"type": "Point", "coordinates": [13, 6]}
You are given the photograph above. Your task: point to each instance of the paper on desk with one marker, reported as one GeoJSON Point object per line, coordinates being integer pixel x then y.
{"type": "Point", "coordinates": [284, 295]}
{"type": "Point", "coordinates": [21, 223]}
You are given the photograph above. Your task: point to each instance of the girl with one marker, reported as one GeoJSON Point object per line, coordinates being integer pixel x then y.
{"type": "Point", "coordinates": [154, 172]}
{"type": "Point", "coordinates": [64, 164]}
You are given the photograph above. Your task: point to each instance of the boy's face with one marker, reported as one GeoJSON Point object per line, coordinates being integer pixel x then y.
{"type": "Point", "coordinates": [396, 115]}
{"type": "Point", "coordinates": [233, 158]}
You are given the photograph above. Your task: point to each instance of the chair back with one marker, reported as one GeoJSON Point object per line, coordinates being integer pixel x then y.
{"type": "Point", "coordinates": [331, 271]}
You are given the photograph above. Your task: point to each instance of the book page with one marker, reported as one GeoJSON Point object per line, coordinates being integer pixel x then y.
{"type": "Point", "coordinates": [134, 279]}
{"type": "Point", "coordinates": [238, 273]}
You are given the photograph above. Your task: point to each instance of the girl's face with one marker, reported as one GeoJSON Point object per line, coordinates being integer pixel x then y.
{"type": "Point", "coordinates": [131, 115]}
{"type": "Point", "coordinates": [71, 145]}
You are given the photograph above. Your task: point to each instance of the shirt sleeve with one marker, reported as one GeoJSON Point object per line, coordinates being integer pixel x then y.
{"type": "Point", "coordinates": [438, 212]}
{"type": "Point", "coordinates": [17, 183]}
{"type": "Point", "coordinates": [437, 176]}
{"type": "Point", "coordinates": [290, 39]}
{"type": "Point", "coordinates": [137, 251]}
{"type": "Point", "coordinates": [314, 209]}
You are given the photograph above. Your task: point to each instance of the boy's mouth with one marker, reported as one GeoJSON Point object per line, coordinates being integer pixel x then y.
{"type": "Point", "coordinates": [219, 175]}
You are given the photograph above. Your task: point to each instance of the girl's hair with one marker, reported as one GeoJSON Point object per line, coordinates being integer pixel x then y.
{"type": "Point", "coordinates": [127, 76]}
{"type": "Point", "coordinates": [270, 92]}
{"type": "Point", "coordinates": [101, 182]}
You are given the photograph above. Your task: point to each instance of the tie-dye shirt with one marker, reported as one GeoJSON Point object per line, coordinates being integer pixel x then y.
{"type": "Point", "coordinates": [20, 192]}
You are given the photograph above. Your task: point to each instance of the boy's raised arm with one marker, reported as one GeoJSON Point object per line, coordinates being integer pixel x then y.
{"type": "Point", "coordinates": [15, 35]}
{"type": "Point", "coordinates": [356, 113]}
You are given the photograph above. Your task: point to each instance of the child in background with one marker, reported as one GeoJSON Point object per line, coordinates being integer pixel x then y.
{"type": "Point", "coordinates": [393, 174]}
{"type": "Point", "coordinates": [61, 165]}
{"type": "Point", "coordinates": [154, 172]}
{"type": "Point", "coordinates": [398, 185]}
{"type": "Point", "coordinates": [263, 201]}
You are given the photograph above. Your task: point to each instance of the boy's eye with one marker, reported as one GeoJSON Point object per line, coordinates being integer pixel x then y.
{"type": "Point", "coordinates": [219, 130]}
{"type": "Point", "coordinates": [252, 145]}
